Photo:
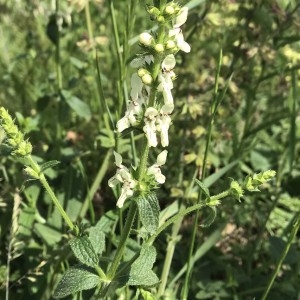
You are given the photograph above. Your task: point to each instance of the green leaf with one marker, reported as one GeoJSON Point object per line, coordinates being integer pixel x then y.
{"type": "Point", "coordinates": [50, 236]}
{"type": "Point", "coordinates": [107, 221]}
{"type": "Point", "coordinates": [203, 188]}
{"type": "Point", "coordinates": [77, 105]}
{"type": "Point", "coordinates": [147, 295]}
{"type": "Point", "coordinates": [84, 251]}
{"type": "Point", "coordinates": [141, 273]}
{"type": "Point", "coordinates": [49, 164]}
{"type": "Point", "coordinates": [149, 211]}
{"type": "Point", "coordinates": [76, 279]}
{"type": "Point", "coordinates": [97, 239]}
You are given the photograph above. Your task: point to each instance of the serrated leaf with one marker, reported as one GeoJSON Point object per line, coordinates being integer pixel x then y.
{"type": "Point", "coordinates": [97, 239]}
{"type": "Point", "coordinates": [49, 164]}
{"type": "Point", "coordinates": [203, 188]}
{"type": "Point", "coordinates": [149, 211]}
{"type": "Point", "coordinates": [211, 217]}
{"type": "Point", "coordinates": [107, 221]}
{"type": "Point", "coordinates": [77, 105]}
{"type": "Point", "coordinates": [141, 273]}
{"type": "Point", "coordinates": [84, 251]}
{"type": "Point", "coordinates": [76, 279]}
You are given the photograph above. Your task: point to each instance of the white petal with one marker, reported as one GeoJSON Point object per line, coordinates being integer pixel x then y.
{"type": "Point", "coordinates": [181, 18]}
{"type": "Point", "coordinates": [185, 47]}
{"type": "Point", "coordinates": [160, 178]}
{"type": "Point", "coordinates": [168, 97]}
{"type": "Point", "coordinates": [182, 44]}
{"type": "Point", "coordinates": [167, 109]}
{"type": "Point", "coordinates": [122, 198]}
{"type": "Point", "coordinates": [169, 62]}
{"type": "Point", "coordinates": [150, 132]}
{"type": "Point", "coordinates": [123, 124]}
{"type": "Point", "coordinates": [151, 113]}
{"type": "Point", "coordinates": [161, 158]}
{"type": "Point", "coordinates": [112, 182]}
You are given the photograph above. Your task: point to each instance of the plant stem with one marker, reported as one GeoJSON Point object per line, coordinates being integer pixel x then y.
{"type": "Point", "coordinates": [50, 192]}
{"type": "Point", "coordinates": [45, 184]}
{"type": "Point", "coordinates": [283, 255]}
{"type": "Point", "coordinates": [169, 257]}
{"type": "Point", "coordinates": [214, 107]}
{"type": "Point", "coordinates": [57, 52]}
{"type": "Point", "coordinates": [125, 234]}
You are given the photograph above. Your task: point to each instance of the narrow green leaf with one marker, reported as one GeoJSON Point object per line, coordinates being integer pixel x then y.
{"type": "Point", "coordinates": [76, 279]}
{"type": "Point", "coordinates": [203, 188]}
{"type": "Point", "coordinates": [84, 251]}
{"type": "Point", "coordinates": [97, 239]}
{"type": "Point", "coordinates": [77, 105]}
{"type": "Point", "coordinates": [141, 273]}
{"type": "Point", "coordinates": [49, 164]}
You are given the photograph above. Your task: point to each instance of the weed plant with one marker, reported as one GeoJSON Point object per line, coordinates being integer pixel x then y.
{"type": "Point", "coordinates": [148, 149]}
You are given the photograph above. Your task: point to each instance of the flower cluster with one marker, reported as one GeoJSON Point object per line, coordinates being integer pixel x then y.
{"type": "Point", "coordinates": [129, 184]}
{"type": "Point", "coordinates": [15, 138]}
{"type": "Point", "coordinates": [151, 101]}
{"type": "Point", "coordinates": [156, 116]}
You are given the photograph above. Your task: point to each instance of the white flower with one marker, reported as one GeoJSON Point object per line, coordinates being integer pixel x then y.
{"type": "Point", "coordinates": [181, 18]}
{"type": "Point", "coordinates": [163, 124]}
{"type": "Point", "coordinates": [165, 86]}
{"type": "Point", "coordinates": [122, 176]}
{"type": "Point", "coordinates": [155, 169]}
{"type": "Point", "coordinates": [134, 108]}
{"type": "Point", "coordinates": [179, 39]}
{"type": "Point", "coordinates": [150, 128]}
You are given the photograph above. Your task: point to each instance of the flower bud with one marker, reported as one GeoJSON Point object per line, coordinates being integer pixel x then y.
{"type": "Point", "coordinates": [169, 10]}
{"type": "Point", "coordinates": [145, 38]}
{"type": "Point", "coordinates": [141, 72]}
{"type": "Point", "coordinates": [161, 19]}
{"type": "Point", "coordinates": [154, 11]}
{"type": "Point", "coordinates": [170, 44]}
{"type": "Point", "coordinates": [236, 190]}
{"type": "Point", "coordinates": [159, 48]}
{"type": "Point", "coordinates": [147, 79]}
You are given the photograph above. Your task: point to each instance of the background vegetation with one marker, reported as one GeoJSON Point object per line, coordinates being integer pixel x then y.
{"type": "Point", "coordinates": [50, 82]}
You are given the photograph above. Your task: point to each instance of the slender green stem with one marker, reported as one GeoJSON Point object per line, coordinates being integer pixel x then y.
{"type": "Point", "coordinates": [121, 96]}
{"type": "Point", "coordinates": [95, 185]}
{"type": "Point", "coordinates": [169, 257]}
{"type": "Point", "coordinates": [90, 28]}
{"type": "Point", "coordinates": [44, 182]}
{"type": "Point", "coordinates": [100, 272]}
{"type": "Point", "coordinates": [170, 221]}
{"type": "Point", "coordinates": [57, 52]}
{"type": "Point", "coordinates": [214, 107]}
{"type": "Point", "coordinates": [283, 255]}
{"type": "Point", "coordinates": [125, 234]}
